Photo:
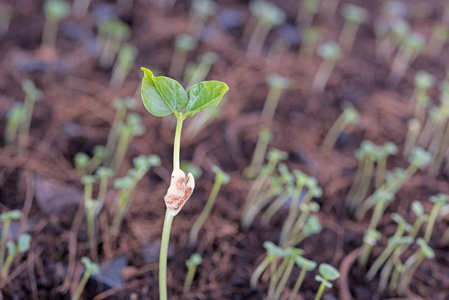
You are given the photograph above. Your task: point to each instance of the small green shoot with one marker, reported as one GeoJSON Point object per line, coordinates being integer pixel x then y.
{"type": "Point", "coordinates": [81, 160]}
{"type": "Point", "coordinates": [306, 265]}
{"type": "Point", "coordinates": [310, 38]}
{"type": "Point", "coordinates": [349, 115]}
{"type": "Point", "coordinates": [14, 118]}
{"type": "Point", "coordinates": [370, 239]}
{"type": "Point", "coordinates": [126, 57]}
{"type": "Point", "coordinates": [221, 178]}
{"type": "Point", "coordinates": [183, 45]}
{"type": "Point", "coordinates": [111, 34]}
{"type": "Point", "coordinates": [194, 261]}
{"type": "Point", "coordinates": [277, 85]}
{"type": "Point", "coordinates": [327, 273]}
{"type": "Point", "coordinates": [268, 16]}
{"type": "Point", "coordinates": [279, 279]}
{"type": "Point", "coordinates": [330, 52]}
{"type": "Point", "coordinates": [163, 96]}
{"type": "Point", "coordinates": [55, 11]}
{"type": "Point", "coordinates": [439, 201]}
{"type": "Point", "coordinates": [354, 16]}
{"type": "Point", "coordinates": [23, 245]}
{"type": "Point", "coordinates": [265, 136]}
{"type": "Point", "coordinates": [103, 174]}
{"type": "Point", "coordinates": [32, 95]}
{"type": "Point", "coordinates": [6, 218]}
{"type": "Point", "coordinates": [414, 129]}
{"type": "Point", "coordinates": [423, 82]}
{"type": "Point", "coordinates": [91, 269]}
{"type": "Point", "coordinates": [389, 148]}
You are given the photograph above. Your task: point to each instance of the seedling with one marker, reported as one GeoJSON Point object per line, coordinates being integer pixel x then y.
{"type": "Point", "coordinates": [330, 52]}
{"type": "Point", "coordinates": [354, 16]}
{"type": "Point", "coordinates": [91, 269]}
{"type": "Point", "coordinates": [127, 185]}
{"type": "Point", "coordinates": [103, 174]}
{"type": "Point", "coordinates": [221, 178]}
{"type": "Point", "coordinates": [253, 201]}
{"type": "Point", "coordinates": [183, 45]}
{"type": "Point", "coordinates": [409, 49]}
{"type": "Point", "coordinates": [88, 182]}
{"type": "Point", "coordinates": [412, 264]}
{"type": "Point", "coordinates": [350, 115]}
{"type": "Point", "coordinates": [327, 274]}
{"type": "Point", "coordinates": [14, 118]}
{"type": "Point", "coordinates": [439, 37]}
{"type": "Point", "coordinates": [307, 11]}
{"type": "Point", "coordinates": [32, 95]}
{"type": "Point", "coordinates": [273, 252]}
{"type": "Point", "coordinates": [423, 82]}
{"type": "Point", "coordinates": [92, 208]}
{"type": "Point", "coordinates": [6, 219]}
{"type": "Point", "coordinates": [125, 61]}
{"type": "Point", "coordinates": [279, 279]}
{"type": "Point", "coordinates": [370, 239]}
{"type": "Point", "coordinates": [265, 136]}
{"type": "Point", "coordinates": [121, 108]}
{"type": "Point", "coordinates": [277, 85]}
{"type": "Point", "coordinates": [132, 128]}
{"type": "Point", "coordinates": [306, 265]}
{"type": "Point", "coordinates": [310, 38]}
{"type": "Point", "coordinates": [100, 154]}
{"type": "Point", "coordinates": [268, 16]}
{"type": "Point", "coordinates": [163, 96]}
{"type": "Point", "coordinates": [439, 201]}
{"type": "Point", "coordinates": [200, 72]}
{"type": "Point", "coordinates": [312, 226]}
{"type": "Point", "coordinates": [200, 12]}
{"type": "Point", "coordinates": [23, 245]}
{"type": "Point", "coordinates": [388, 149]}
{"type": "Point", "coordinates": [414, 129]}
{"type": "Point", "coordinates": [194, 261]}
{"type": "Point", "coordinates": [81, 161]}
{"type": "Point", "coordinates": [55, 11]}
{"type": "Point", "coordinates": [111, 34]}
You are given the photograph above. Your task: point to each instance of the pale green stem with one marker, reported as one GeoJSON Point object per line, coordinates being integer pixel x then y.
{"type": "Point", "coordinates": [103, 189]}
{"type": "Point", "coordinates": [24, 129]}
{"type": "Point", "coordinates": [189, 279]}
{"type": "Point", "coordinates": [431, 222]}
{"type": "Point", "coordinates": [177, 143]}
{"type": "Point", "coordinates": [298, 284]}
{"type": "Point", "coordinates": [322, 75]}
{"type": "Point", "coordinates": [435, 167]}
{"type": "Point", "coordinates": [410, 267]}
{"type": "Point", "coordinates": [82, 284]}
{"type": "Point", "coordinates": [381, 171]}
{"type": "Point", "coordinates": [273, 278]}
{"type": "Point", "coordinates": [123, 143]}
{"type": "Point", "coordinates": [10, 132]}
{"type": "Point", "coordinates": [119, 117]}
{"type": "Point", "coordinates": [193, 237]}
{"type": "Point", "coordinates": [271, 103]}
{"type": "Point", "coordinates": [365, 182]}
{"type": "Point", "coordinates": [292, 213]}
{"type": "Point", "coordinates": [377, 214]}
{"type": "Point", "coordinates": [5, 231]}
{"type": "Point", "coordinates": [178, 62]}
{"type": "Point", "coordinates": [257, 40]}
{"type": "Point", "coordinates": [259, 153]}
{"type": "Point", "coordinates": [320, 291]}
{"type": "Point", "coordinates": [274, 207]}
{"type": "Point", "coordinates": [333, 134]}
{"type": "Point", "coordinates": [347, 36]}
{"type": "Point", "coordinates": [249, 216]}
{"type": "Point", "coordinates": [169, 215]}
{"type": "Point", "coordinates": [260, 269]}
{"type": "Point", "coordinates": [355, 184]}
{"type": "Point", "coordinates": [284, 278]}
{"type": "Point", "coordinates": [5, 268]}
{"type": "Point", "coordinates": [200, 73]}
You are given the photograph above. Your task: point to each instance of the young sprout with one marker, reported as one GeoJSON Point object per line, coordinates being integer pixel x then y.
{"type": "Point", "coordinates": [91, 269]}
{"type": "Point", "coordinates": [306, 265]}
{"type": "Point", "coordinates": [221, 178]}
{"type": "Point", "coordinates": [277, 85]}
{"type": "Point", "coordinates": [423, 82]}
{"type": "Point", "coordinates": [367, 154]}
{"type": "Point", "coordinates": [103, 174]}
{"type": "Point", "coordinates": [81, 162]}
{"type": "Point", "coordinates": [268, 16]}
{"type": "Point", "coordinates": [132, 128]}
{"type": "Point", "coordinates": [414, 129]}
{"type": "Point", "coordinates": [23, 245]}
{"type": "Point", "coordinates": [55, 11]}
{"type": "Point", "coordinates": [382, 199]}
{"type": "Point", "coordinates": [92, 208]}
{"type": "Point", "coordinates": [163, 96]}
{"type": "Point", "coordinates": [350, 115]}
{"type": "Point", "coordinates": [194, 261]}
{"type": "Point", "coordinates": [330, 52]}
{"type": "Point", "coordinates": [14, 118]}
{"type": "Point", "coordinates": [393, 243]}
{"type": "Point", "coordinates": [88, 182]}
{"type": "Point", "coordinates": [354, 16]}
{"type": "Point", "coordinates": [439, 201]}
{"type": "Point", "coordinates": [273, 252]}
{"type": "Point", "coordinates": [6, 218]}
{"type": "Point", "coordinates": [388, 149]}
{"type": "Point", "coordinates": [310, 38]}
{"type": "Point", "coordinates": [370, 239]}
{"type": "Point", "coordinates": [295, 234]}
{"type": "Point", "coordinates": [100, 154]}
{"type": "Point", "coordinates": [412, 264]}
{"type": "Point", "coordinates": [265, 136]}
{"type": "Point", "coordinates": [201, 10]}
{"type": "Point", "coordinates": [32, 95]}
{"type": "Point", "coordinates": [207, 60]}
{"type": "Point", "coordinates": [282, 274]}
{"type": "Point", "coordinates": [327, 274]}
{"type": "Point", "coordinates": [409, 49]}
{"type": "Point", "coordinates": [312, 226]}
{"type": "Point", "coordinates": [111, 34]}
{"type": "Point", "coordinates": [127, 185]}
{"type": "Point", "coordinates": [183, 45]}
{"type": "Point", "coordinates": [126, 57]}
{"type": "Point", "coordinates": [439, 37]}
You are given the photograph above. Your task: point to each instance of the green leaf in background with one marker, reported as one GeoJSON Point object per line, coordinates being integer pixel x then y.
{"type": "Point", "coordinates": [162, 95]}
{"type": "Point", "coordinates": [206, 94]}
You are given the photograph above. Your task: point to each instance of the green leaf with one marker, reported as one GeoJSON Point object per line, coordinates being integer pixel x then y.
{"type": "Point", "coordinates": [206, 94]}
{"type": "Point", "coordinates": [161, 95]}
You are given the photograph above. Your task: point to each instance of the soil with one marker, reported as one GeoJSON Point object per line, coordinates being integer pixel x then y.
{"type": "Point", "coordinates": [75, 115]}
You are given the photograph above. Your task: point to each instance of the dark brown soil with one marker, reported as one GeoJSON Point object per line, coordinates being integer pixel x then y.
{"type": "Point", "coordinates": [75, 114]}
